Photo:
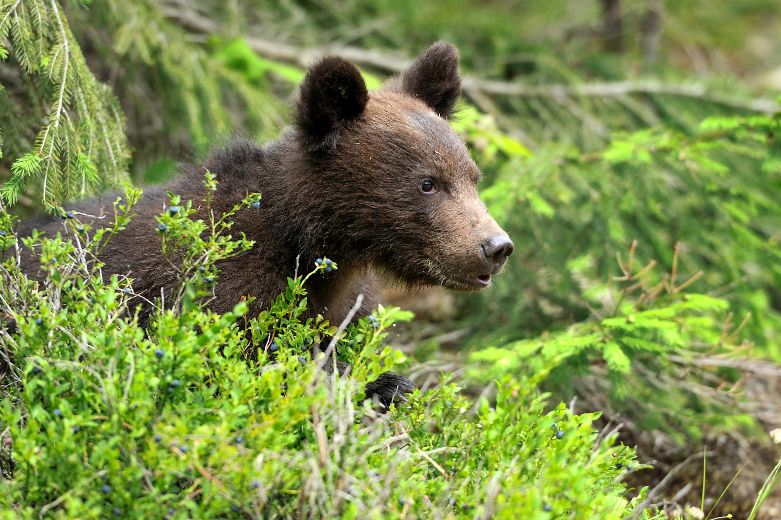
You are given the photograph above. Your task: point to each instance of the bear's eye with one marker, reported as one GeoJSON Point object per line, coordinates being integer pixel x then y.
{"type": "Point", "coordinates": [427, 186]}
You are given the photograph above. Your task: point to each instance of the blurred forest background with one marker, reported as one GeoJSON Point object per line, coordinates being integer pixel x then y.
{"type": "Point", "coordinates": [630, 148]}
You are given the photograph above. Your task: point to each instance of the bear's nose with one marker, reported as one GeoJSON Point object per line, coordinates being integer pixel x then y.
{"type": "Point", "coordinates": [497, 249]}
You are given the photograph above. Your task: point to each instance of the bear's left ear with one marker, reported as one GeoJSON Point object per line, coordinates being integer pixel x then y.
{"type": "Point", "coordinates": [333, 93]}
{"type": "Point", "coordinates": [433, 78]}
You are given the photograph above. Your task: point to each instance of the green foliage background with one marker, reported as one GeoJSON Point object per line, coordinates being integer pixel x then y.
{"type": "Point", "coordinates": [598, 161]}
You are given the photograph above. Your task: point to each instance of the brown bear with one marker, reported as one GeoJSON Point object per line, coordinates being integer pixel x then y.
{"type": "Point", "coordinates": [378, 182]}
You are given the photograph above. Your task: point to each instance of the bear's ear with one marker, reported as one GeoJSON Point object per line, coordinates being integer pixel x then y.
{"type": "Point", "coordinates": [433, 78]}
{"type": "Point", "coordinates": [333, 93]}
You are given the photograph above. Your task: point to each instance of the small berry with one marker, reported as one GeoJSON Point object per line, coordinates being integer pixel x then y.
{"type": "Point", "coordinates": [328, 262]}
{"type": "Point", "coordinates": [547, 508]}
{"type": "Point", "coordinates": [157, 438]}
{"type": "Point", "coordinates": [57, 412]}
{"type": "Point", "coordinates": [2, 232]}
{"type": "Point", "coordinates": [161, 227]}
{"type": "Point", "coordinates": [318, 261]}
{"type": "Point", "coordinates": [234, 507]}
{"type": "Point", "coordinates": [80, 229]}
{"type": "Point", "coordinates": [201, 268]}
{"type": "Point", "coordinates": [238, 440]}
{"type": "Point", "coordinates": [208, 279]}
{"type": "Point", "coordinates": [117, 511]}
{"type": "Point", "coordinates": [273, 347]}
{"type": "Point", "coordinates": [301, 359]}
{"type": "Point", "coordinates": [307, 341]}
{"type": "Point", "coordinates": [37, 370]}
{"type": "Point", "coordinates": [328, 269]}
{"type": "Point", "coordinates": [174, 384]}
{"type": "Point", "coordinates": [559, 434]}
{"type": "Point", "coordinates": [106, 489]}
{"type": "Point", "coordinates": [69, 214]}
{"type": "Point", "coordinates": [254, 484]}
{"type": "Point", "coordinates": [173, 210]}
{"type": "Point", "coordinates": [255, 204]}
{"type": "Point", "coordinates": [38, 321]}
{"type": "Point", "coordinates": [75, 429]}
{"type": "Point", "coordinates": [159, 353]}
{"type": "Point", "coordinates": [183, 449]}
{"type": "Point", "coordinates": [374, 322]}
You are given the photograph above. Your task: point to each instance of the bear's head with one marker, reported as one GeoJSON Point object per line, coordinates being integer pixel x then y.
{"type": "Point", "coordinates": [389, 181]}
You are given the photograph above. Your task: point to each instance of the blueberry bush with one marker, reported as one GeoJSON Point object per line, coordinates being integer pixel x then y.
{"type": "Point", "coordinates": [101, 418]}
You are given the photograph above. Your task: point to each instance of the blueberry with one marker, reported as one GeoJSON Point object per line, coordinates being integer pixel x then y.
{"type": "Point", "coordinates": [328, 262]}
{"type": "Point", "coordinates": [255, 204]}
{"type": "Point", "coordinates": [57, 412]}
{"type": "Point", "coordinates": [117, 511]}
{"type": "Point", "coordinates": [301, 359]}
{"type": "Point", "coordinates": [273, 347]}
{"type": "Point", "coordinates": [374, 322]}
{"type": "Point", "coordinates": [38, 321]}
{"type": "Point", "coordinates": [328, 269]}
{"type": "Point", "coordinates": [254, 484]}
{"type": "Point", "coordinates": [161, 227]}
{"type": "Point", "coordinates": [234, 507]}
{"type": "Point", "coordinates": [173, 210]}
{"type": "Point", "coordinates": [159, 353]}
{"type": "Point", "coordinates": [559, 434]}
{"type": "Point", "coordinates": [183, 449]}
{"type": "Point", "coordinates": [106, 489]}
{"type": "Point", "coordinates": [238, 440]}
{"type": "Point", "coordinates": [547, 508]}
{"type": "Point", "coordinates": [75, 429]}
{"type": "Point", "coordinates": [37, 370]}
{"type": "Point", "coordinates": [2, 232]}
{"type": "Point", "coordinates": [157, 438]}
{"type": "Point", "coordinates": [208, 279]}
{"type": "Point", "coordinates": [174, 384]}
{"type": "Point", "coordinates": [201, 268]}
{"type": "Point", "coordinates": [80, 229]}
{"type": "Point", "coordinates": [318, 261]}
{"type": "Point", "coordinates": [307, 341]}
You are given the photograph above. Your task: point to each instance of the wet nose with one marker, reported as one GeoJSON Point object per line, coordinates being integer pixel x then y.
{"type": "Point", "coordinates": [497, 249]}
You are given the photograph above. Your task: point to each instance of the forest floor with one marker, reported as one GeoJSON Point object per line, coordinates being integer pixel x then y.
{"type": "Point", "coordinates": [675, 480]}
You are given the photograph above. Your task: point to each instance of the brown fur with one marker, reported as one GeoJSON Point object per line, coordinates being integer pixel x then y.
{"type": "Point", "coordinates": [343, 182]}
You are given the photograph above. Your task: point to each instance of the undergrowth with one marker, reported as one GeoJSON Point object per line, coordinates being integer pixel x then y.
{"type": "Point", "coordinates": [204, 415]}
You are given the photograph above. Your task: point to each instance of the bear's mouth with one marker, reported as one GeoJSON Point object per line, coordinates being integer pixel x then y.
{"type": "Point", "coordinates": [473, 283]}
{"type": "Point", "coordinates": [483, 280]}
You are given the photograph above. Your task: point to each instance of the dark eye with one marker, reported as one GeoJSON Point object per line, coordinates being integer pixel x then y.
{"type": "Point", "coordinates": [427, 186]}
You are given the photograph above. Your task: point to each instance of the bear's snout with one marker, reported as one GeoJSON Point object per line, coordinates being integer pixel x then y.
{"type": "Point", "coordinates": [496, 250]}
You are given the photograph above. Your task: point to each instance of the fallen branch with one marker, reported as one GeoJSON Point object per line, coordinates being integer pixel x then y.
{"type": "Point", "coordinates": [193, 22]}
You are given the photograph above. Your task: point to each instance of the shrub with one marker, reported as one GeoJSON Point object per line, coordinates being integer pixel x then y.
{"type": "Point", "coordinates": [100, 417]}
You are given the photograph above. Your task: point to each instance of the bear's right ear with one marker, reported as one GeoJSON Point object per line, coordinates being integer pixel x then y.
{"type": "Point", "coordinates": [333, 93]}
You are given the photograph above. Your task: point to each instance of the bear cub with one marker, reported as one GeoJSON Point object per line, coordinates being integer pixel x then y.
{"type": "Point", "coordinates": [376, 181]}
